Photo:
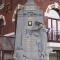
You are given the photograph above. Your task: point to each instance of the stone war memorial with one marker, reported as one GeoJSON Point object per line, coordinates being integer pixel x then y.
{"type": "Point", "coordinates": [31, 37]}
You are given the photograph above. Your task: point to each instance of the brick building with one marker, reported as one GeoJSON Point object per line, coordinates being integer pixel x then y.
{"type": "Point", "coordinates": [7, 8]}
{"type": "Point", "coordinates": [8, 16]}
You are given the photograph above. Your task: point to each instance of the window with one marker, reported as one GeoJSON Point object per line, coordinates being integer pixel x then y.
{"type": "Point", "coordinates": [53, 14]}
{"type": "Point", "coordinates": [54, 24]}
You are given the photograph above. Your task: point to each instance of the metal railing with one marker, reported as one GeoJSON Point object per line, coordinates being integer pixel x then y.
{"type": "Point", "coordinates": [54, 36]}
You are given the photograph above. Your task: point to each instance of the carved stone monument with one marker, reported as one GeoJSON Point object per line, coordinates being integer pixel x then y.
{"type": "Point", "coordinates": [31, 37]}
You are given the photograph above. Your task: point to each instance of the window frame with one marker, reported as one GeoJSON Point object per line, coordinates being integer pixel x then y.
{"type": "Point", "coordinates": [56, 28]}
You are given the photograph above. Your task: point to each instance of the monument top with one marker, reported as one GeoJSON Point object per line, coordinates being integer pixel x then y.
{"type": "Point", "coordinates": [30, 2]}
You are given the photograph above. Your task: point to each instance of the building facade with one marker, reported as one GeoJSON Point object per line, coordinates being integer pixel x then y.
{"type": "Point", "coordinates": [8, 8]}
{"type": "Point", "coordinates": [8, 19]}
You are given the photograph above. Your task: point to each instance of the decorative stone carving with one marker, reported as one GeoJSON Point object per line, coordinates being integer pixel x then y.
{"type": "Point", "coordinates": [1, 6]}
